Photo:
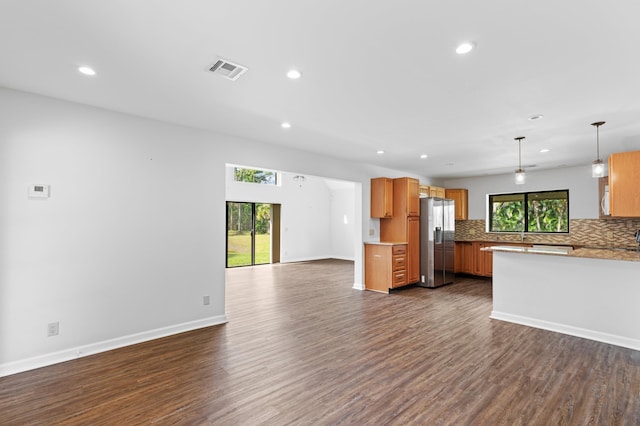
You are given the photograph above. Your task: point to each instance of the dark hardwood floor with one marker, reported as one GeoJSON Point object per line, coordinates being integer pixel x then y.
{"type": "Point", "coordinates": [303, 347]}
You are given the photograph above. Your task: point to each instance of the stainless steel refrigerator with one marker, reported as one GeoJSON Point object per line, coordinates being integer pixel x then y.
{"type": "Point", "coordinates": [437, 229]}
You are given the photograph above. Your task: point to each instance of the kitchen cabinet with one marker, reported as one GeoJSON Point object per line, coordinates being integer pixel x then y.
{"type": "Point", "coordinates": [406, 197]}
{"type": "Point", "coordinates": [404, 226]}
{"type": "Point", "coordinates": [385, 266]}
{"type": "Point", "coordinates": [436, 191]}
{"type": "Point", "coordinates": [464, 257]}
{"type": "Point", "coordinates": [413, 249]}
{"type": "Point", "coordinates": [470, 259]}
{"type": "Point", "coordinates": [381, 197]}
{"type": "Point", "coordinates": [432, 191]}
{"type": "Point", "coordinates": [624, 190]}
{"type": "Point", "coordinates": [483, 260]}
{"type": "Point", "coordinates": [461, 198]}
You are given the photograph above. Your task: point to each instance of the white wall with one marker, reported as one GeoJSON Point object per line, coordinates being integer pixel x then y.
{"type": "Point", "coordinates": [124, 246]}
{"type": "Point", "coordinates": [342, 222]}
{"type": "Point", "coordinates": [309, 222]}
{"type": "Point", "coordinates": [133, 235]}
{"type": "Point", "coordinates": [583, 189]}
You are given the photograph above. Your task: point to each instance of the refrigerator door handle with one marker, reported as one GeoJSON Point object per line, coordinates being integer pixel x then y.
{"type": "Point", "coordinates": [437, 237]}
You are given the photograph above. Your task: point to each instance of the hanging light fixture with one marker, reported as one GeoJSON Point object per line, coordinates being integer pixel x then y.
{"type": "Point", "coordinates": [597, 168]}
{"type": "Point", "coordinates": [520, 175]}
{"type": "Point", "coordinates": [299, 179]}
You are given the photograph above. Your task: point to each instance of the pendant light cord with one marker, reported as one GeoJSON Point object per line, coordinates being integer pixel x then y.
{"type": "Point", "coordinates": [597, 142]}
{"type": "Point", "coordinates": [519, 139]}
{"type": "Point", "coordinates": [520, 154]}
{"type": "Point", "coordinates": [597, 125]}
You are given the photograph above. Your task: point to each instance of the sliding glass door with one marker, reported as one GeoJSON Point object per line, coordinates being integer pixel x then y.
{"type": "Point", "coordinates": [248, 234]}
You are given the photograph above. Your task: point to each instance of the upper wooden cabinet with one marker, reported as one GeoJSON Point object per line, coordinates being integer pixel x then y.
{"type": "Point", "coordinates": [381, 197]}
{"type": "Point", "coordinates": [406, 197]}
{"type": "Point", "coordinates": [436, 191]}
{"type": "Point", "coordinates": [460, 196]}
{"type": "Point", "coordinates": [624, 184]}
{"type": "Point", "coordinates": [432, 191]}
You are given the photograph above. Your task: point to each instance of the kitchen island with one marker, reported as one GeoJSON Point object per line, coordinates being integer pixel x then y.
{"type": "Point", "coordinates": [589, 293]}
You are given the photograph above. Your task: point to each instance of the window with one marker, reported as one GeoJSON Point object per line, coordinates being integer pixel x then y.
{"type": "Point", "coordinates": [544, 212]}
{"type": "Point", "coordinates": [267, 177]}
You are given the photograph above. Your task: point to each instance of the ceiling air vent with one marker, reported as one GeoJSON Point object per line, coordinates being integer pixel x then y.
{"type": "Point", "coordinates": [228, 69]}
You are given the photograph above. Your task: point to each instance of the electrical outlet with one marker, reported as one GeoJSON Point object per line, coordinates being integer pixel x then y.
{"type": "Point", "coordinates": [53, 328]}
{"type": "Point", "coordinates": [372, 232]}
{"type": "Point", "coordinates": [206, 300]}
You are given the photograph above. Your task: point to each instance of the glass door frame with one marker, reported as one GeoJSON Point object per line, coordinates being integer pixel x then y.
{"type": "Point", "coordinates": [271, 245]}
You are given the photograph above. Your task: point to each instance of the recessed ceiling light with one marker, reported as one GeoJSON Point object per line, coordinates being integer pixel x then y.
{"type": "Point", "coordinates": [294, 74]}
{"type": "Point", "coordinates": [286, 125]}
{"type": "Point", "coordinates": [465, 47]}
{"type": "Point", "coordinates": [543, 150]}
{"type": "Point", "coordinates": [87, 70]}
{"type": "Point", "coordinates": [423, 156]}
{"type": "Point", "coordinates": [380, 151]}
{"type": "Point", "coordinates": [536, 117]}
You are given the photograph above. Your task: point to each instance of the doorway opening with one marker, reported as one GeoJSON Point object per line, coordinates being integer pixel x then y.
{"type": "Point", "coordinates": [253, 234]}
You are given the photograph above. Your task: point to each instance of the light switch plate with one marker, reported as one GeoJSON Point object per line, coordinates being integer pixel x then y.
{"type": "Point", "coordinates": [38, 190]}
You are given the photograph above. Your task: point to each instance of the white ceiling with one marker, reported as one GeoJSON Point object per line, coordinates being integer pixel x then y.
{"type": "Point", "coordinates": [376, 74]}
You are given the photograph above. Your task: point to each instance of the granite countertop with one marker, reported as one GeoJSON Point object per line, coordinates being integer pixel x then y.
{"type": "Point", "coordinates": [626, 254]}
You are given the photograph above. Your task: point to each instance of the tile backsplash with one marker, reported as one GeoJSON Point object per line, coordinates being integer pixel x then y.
{"type": "Point", "coordinates": [582, 232]}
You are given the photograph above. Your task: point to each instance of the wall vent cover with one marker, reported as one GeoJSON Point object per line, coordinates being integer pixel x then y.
{"type": "Point", "coordinates": [228, 69]}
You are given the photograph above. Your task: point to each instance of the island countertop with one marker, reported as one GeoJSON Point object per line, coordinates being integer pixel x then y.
{"type": "Point", "coordinates": [591, 253]}
{"type": "Point", "coordinates": [386, 243]}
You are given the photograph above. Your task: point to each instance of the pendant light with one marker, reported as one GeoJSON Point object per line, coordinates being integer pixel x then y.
{"type": "Point", "coordinates": [520, 175]}
{"type": "Point", "coordinates": [597, 168]}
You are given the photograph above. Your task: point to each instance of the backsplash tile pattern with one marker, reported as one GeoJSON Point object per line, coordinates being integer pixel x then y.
{"type": "Point", "coordinates": [582, 232]}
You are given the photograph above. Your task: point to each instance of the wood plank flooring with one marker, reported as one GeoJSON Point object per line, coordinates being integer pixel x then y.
{"type": "Point", "coordinates": [303, 348]}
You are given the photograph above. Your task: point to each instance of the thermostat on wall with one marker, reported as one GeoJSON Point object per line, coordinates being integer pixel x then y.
{"type": "Point", "coordinates": [38, 191]}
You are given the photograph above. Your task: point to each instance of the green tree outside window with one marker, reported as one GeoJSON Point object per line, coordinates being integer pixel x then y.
{"type": "Point", "coordinates": [541, 212]}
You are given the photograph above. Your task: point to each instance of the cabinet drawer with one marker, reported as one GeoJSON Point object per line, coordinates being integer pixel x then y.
{"type": "Point", "coordinates": [399, 250]}
{"type": "Point", "coordinates": [399, 262]}
{"type": "Point", "coordinates": [399, 278]}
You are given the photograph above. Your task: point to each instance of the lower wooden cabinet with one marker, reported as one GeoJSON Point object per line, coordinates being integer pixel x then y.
{"type": "Point", "coordinates": [464, 257]}
{"type": "Point", "coordinates": [385, 266]}
{"type": "Point", "coordinates": [482, 260]}
{"type": "Point", "coordinates": [470, 259]}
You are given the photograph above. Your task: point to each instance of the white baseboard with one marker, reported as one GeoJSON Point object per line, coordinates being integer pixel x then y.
{"type": "Point", "coordinates": [358, 286]}
{"type": "Point", "coordinates": [343, 258]}
{"type": "Point", "coordinates": [598, 336]}
{"type": "Point", "coordinates": [311, 258]}
{"type": "Point", "coordinates": [106, 345]}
